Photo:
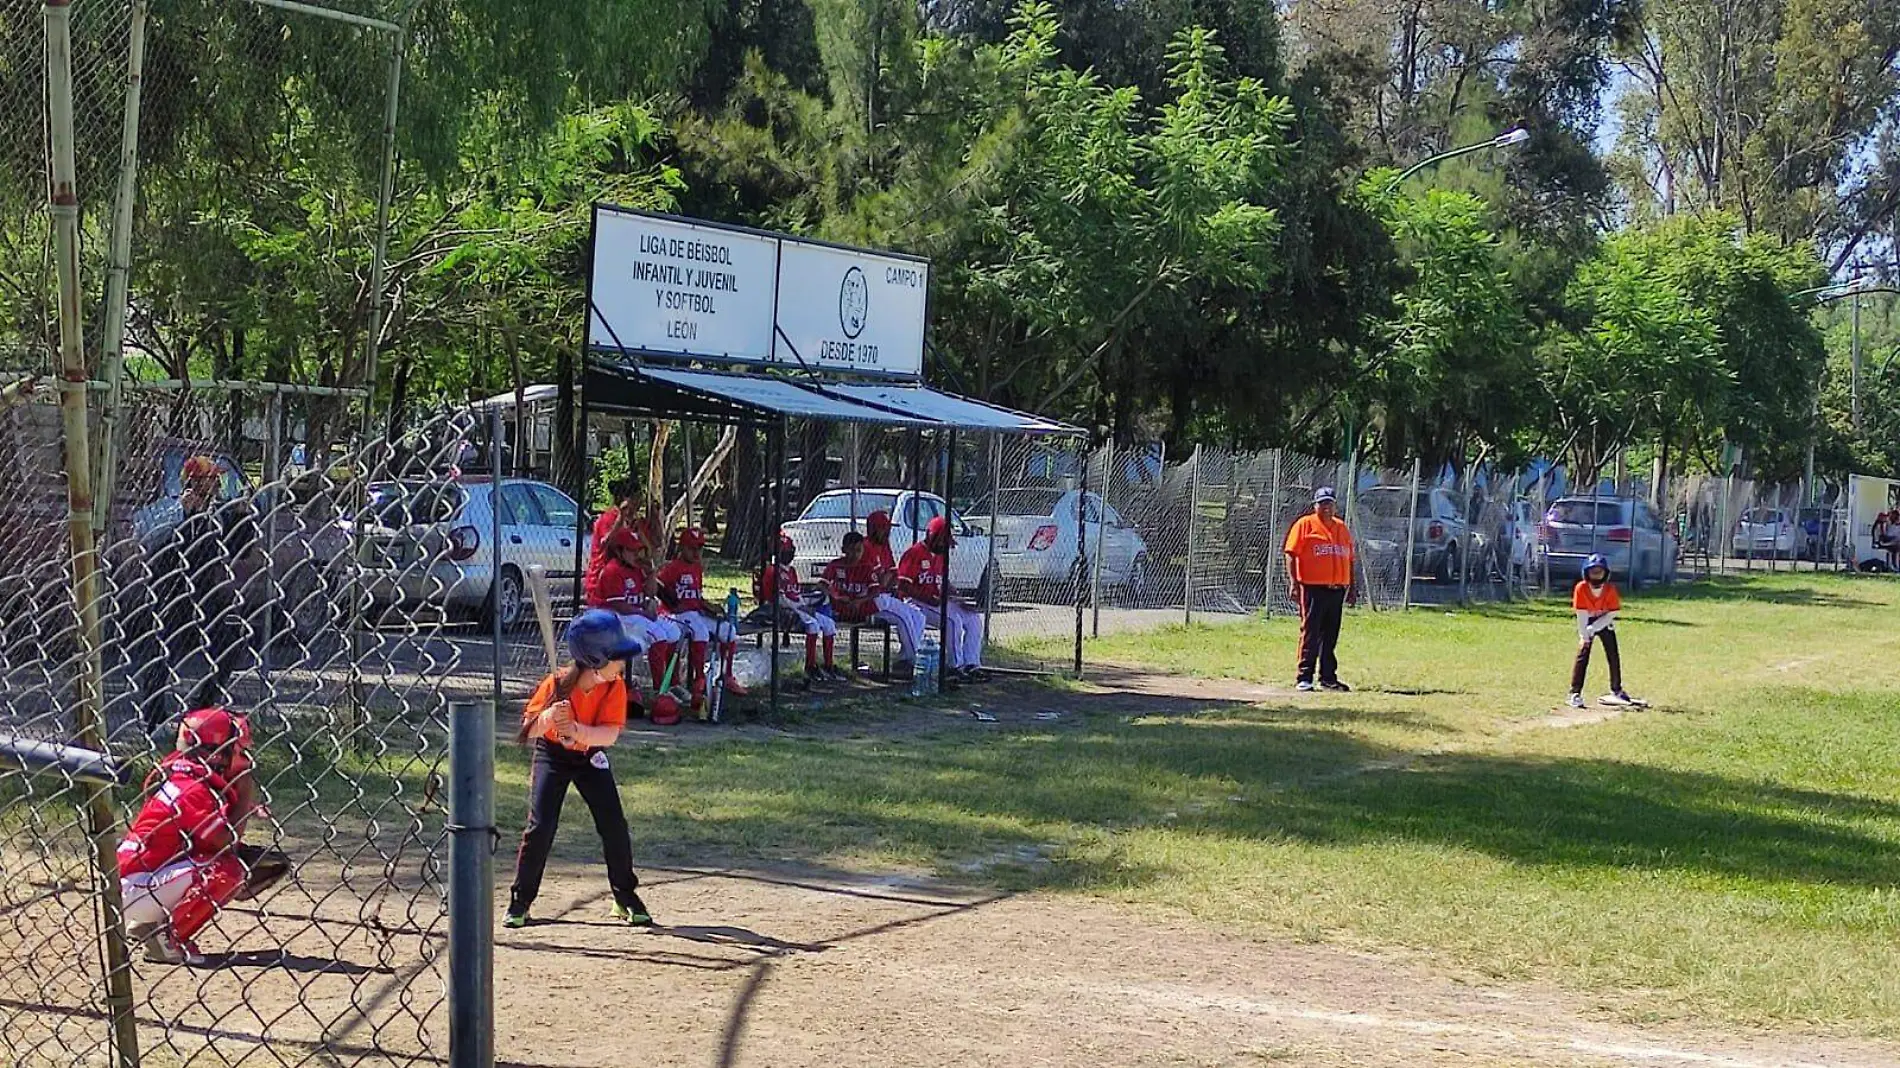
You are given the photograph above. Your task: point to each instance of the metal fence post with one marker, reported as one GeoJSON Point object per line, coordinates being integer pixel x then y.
{"type": "Point", "coordinates": [494, 552]}
{"type": "Point", "coordinates": [1464, 550]}
{"type": "Point", "coordinates": [472, 838]}
{"type": "Point", "coordinates": [1101, 531]}
{"type": "Point", "coordinates": [88, 710]}
{"type": "Point", "coordinates": [1723, 535]}
{"type": "Point", "coordinates": [1194, 510]}
{"type": "Point", "coordinates": [1270, 561]}
{"type": "Point", "coordinates": [273, 468]}
{"type": "Point", "coordinates": [1411, 537]}
{"type": "Point", "coordinates": [1081, 556]}
{"type": "Point", "coordinates": [996, 487]}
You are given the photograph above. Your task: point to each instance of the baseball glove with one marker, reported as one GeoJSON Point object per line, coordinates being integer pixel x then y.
{"type": "Point", "coordinates": [263, 867]}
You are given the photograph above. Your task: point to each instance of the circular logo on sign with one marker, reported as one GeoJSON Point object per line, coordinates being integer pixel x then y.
{"type": "Point", "coordinates": [854, 302]}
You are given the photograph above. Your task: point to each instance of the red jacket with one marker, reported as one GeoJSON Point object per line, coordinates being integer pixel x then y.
{"type": "Point", "coordinates": [186, 817]}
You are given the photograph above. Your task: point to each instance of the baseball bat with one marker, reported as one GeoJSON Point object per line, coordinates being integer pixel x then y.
{"type": "Point", "coordinates": [543, 603]}
{"type": "Point", "coordinates": [84, 765]}
{"type": "Point", "coordinates": [544, 613]}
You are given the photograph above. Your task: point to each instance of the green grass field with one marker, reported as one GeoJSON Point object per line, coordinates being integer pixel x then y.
{"type": "Point", "coordinates": [1732, 854]}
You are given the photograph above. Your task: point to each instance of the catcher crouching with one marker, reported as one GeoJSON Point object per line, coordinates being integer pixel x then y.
{"type": "Point", "coordinates": [185, 857]}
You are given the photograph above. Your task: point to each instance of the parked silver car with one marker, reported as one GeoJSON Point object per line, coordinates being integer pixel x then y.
{"type": "Point", "coordinates": [1036, 538]}
{"type": "Point", "coordinates": [431, 542]}
{"type": "Point", "coordinates": [1438, 528]}
{"type": "Point", "coordinates": [1769, 532]}
{"type": "Point", "coordinates": [1625, 530]}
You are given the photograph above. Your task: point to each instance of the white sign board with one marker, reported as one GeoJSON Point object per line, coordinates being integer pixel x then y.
{"type": "Point", "coordinates": [846, 310]}
{"type": "Point", "coordinates": [672, 287]}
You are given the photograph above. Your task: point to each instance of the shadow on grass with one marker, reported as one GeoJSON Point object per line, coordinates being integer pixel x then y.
{"type": "Point", "coordinates": [947, 802]}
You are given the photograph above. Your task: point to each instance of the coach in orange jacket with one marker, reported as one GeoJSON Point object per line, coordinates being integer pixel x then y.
{"type": "Point", "coordinates": [1319, 558]}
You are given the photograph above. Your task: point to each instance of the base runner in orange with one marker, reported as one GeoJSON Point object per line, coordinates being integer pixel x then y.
{"type": "Point", "coordinates": [1319, 557]}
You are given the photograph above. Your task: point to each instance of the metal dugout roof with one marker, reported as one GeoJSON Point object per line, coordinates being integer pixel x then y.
{"type": "Point", "coordinates": [668, 392]}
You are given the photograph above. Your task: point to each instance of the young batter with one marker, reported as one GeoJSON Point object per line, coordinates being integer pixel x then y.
{"type": "Point", "coordinates": [571, 721]}
{"type": "Point", "coordinates": [1597, 602]}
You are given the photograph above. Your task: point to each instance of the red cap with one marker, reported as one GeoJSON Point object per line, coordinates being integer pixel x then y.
{"type": "Point", "coordinates": [785, 544]}
{"type": "Point", "coordinates": [937, 526]}
{"type": "Point", "coordinates": [692, 538]}
{"type": "Point", "coordinates": [879, 520]}
{"type": "Point", "coordinates": [623, 539]}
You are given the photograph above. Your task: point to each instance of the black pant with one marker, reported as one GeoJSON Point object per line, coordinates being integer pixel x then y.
{"type": "Point", "coordinates": [555, 767]}
{"type": "Point", "coordinates": [1582, 666]}
{"type": "Point", "coordinates": [218, 634]}
{"type": "Point", "coordinates": [1321, 610]}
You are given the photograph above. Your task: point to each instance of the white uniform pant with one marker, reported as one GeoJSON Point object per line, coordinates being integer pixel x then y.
{"type": "Point", "coordinates": [149, 897]}
{"type": "Point", "coordinates": [650, 632]}
{"type": "Point", "coordinates": [816, 624]}
{"type": "Point", "coordinates": [963, 632]}
{"type": "Point", "coordinates": [704, 628]}
{"type": "Point", "coordinates": [907, 620]}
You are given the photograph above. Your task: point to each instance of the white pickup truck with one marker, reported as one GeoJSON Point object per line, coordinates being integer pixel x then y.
{"type": "Point", "coordinates": [818, 533]}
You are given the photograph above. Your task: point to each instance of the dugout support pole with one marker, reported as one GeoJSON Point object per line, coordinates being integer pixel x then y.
{"type": "Point", "coordinates": [472, 841]}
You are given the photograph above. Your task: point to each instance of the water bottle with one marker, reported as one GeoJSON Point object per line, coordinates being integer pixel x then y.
{"type": "Point", "coordinates": [924, 682]}
{"type": "Point", "coordinates": [732, 606]}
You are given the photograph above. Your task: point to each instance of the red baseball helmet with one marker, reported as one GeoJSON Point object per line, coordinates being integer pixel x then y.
{"type": "Point", "coordinates": [213, 729]}
{"type": "Point", "coordinates": [692, 538]}
{"type": "Point", "coordinates": [665, 711]}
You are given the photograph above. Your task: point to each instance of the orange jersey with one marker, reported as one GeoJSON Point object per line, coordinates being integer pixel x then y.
{"type": "Point", "coordinates": [603, 706]}
{"type": "Point", "coordinates": [1596, 602]}
{"type": "Point", "coordinates": [1321, 551]}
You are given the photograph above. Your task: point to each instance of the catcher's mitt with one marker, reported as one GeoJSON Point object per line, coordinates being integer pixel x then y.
{"type": "Point", "coordinates": [263, 866]}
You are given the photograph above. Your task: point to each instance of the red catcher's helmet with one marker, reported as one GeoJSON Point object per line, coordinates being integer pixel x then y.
{"type": "Point", "coordinates": [878, 522]}
{"type": "Point", "coordinates": [692, 538]}
{"type": "Point", "coordinates": [213, 729]}
{"type": "Point", "coordinates": [665, 711]}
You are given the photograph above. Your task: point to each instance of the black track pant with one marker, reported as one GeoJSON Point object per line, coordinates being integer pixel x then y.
{"type": "Point", "coordinates": [1582, 666]}
{"type": "Point", "coordinates": [1321, 609]}
{"type": "Point", "coordinates": [555, 768]}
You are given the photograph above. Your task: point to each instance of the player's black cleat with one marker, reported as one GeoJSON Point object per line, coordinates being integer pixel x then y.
{"type": "Point", "coordinates": [1336, 686]}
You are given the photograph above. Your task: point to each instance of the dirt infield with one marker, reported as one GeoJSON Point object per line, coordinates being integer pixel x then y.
{"type": "Point", "coordinates": [794, 968]}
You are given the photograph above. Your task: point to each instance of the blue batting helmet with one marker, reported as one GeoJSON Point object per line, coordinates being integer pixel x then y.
{"type": "Point", "coordinates": [1594, 561]}
{"type": "Point", "coordinates": [595, 638]}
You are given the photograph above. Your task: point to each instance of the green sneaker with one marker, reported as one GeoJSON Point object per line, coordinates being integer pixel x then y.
{"type": "Point", "coordinates": [514, 921]}
{"type": "Point", "coordinates": [637, 915]}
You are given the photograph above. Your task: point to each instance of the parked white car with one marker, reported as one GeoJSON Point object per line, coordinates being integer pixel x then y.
{"type": "Point", "coordinates": [1769, 532]}
{"type": "Point", "coordinates": [818, 532]}
{"type": "Point", "coordinates": [1036, 533]}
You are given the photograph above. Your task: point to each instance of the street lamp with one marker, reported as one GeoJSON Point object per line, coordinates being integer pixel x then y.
{"type": "Point", "coordinates": [1510, 138]}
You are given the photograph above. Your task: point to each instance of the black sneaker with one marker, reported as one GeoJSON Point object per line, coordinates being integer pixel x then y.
{"type": "Point", "coordinates": [1336, 686]}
